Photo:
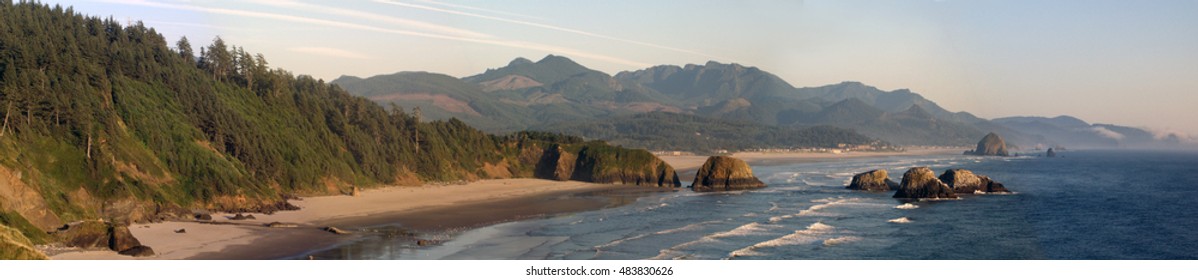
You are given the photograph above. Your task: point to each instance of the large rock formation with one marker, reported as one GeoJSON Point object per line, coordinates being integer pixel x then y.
{"type": "Point", "coordinates": [991, 145]}
{"type": "Point", "coordinates": [874, 181]}
{"type": "Point", "coordinates": [97, 235]}
{"type": "Point", "coordinates": [1051, 153]}
{"type": "Point", "coordinates": [964, 181]}
{"type": "Point", "coordinates": [605, 164]}
{"type": "Point", "coordinates": [920, 183]}
{"type": "Point", "coordinates": [722, 173]}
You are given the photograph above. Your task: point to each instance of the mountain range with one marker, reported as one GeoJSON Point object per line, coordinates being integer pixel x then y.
{"type": "Point", "coordinates": [558, 94]}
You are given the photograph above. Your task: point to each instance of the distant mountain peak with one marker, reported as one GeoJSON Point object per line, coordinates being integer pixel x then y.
{"type": "Point", "coordinates": [519, 61]}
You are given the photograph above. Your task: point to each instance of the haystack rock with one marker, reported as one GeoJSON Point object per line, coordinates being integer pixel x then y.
{"type": "Point", "coordinates": [991, 145]}
{"type": "Point", "coordinates": [964, 181]}
{"type": "Point", "coordinates": [874, 181]}
{"type": "Point", "coordinates": [722, 173]}
{"type": "Point", "coordinates": [920, 183]}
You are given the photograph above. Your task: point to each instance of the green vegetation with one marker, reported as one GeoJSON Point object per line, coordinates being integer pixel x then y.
{"type": "Point", "coordinates": [680, 132]}
{"type": "Point", "coordinates": [94, 112]}
{"type": "Point", "coordinates": [14, 246]}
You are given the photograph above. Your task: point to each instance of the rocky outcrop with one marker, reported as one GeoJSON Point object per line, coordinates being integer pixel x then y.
{"type": "Point", "coordinates": [874, 181]}
{"type": "Point", "coordinates": [965, 181]}
{"type": "Point", "coordinates": [990, 145]}
{"type": "Point", "coordinates": [120, 239]}
{"type": "Point", "coordinates": [97, 235]}
{"type": "Point", "coordinates": [595, 163]}
{"type": "Point", "coordinates": [1051, 153]}
{"type": "Point", "coordinates": [722, 173]}
{"type": "Point", "coordinates": [556, 164]}
{"type": "Point", "coordinates": [921, 183]}
{"type": "Point", "coordinates": [138, 251]}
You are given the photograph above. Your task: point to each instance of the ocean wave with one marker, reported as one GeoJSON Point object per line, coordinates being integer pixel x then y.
{"type": "Point", "coordinates": [753, 228]}
{"type": "Point", "coordinates": [685, 228]}
{"type": "Point", "coordinates": [900, 220]}
{"type": "Point", "coordinates": [906, 206]}
{"type": "Point", "coordinates": [776, 219]}
{"type": "Point", "coordinates": [805, 236]}
{"type": "Point", "coordinates": [654, 207]}
{"type": "Point", "coordinates": [816, 210]}
{"type": "Point", "coordinates": [841, 240]}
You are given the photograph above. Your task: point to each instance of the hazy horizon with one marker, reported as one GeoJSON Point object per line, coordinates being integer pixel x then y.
{"type": "Point", "coordinates": [1126, 63]}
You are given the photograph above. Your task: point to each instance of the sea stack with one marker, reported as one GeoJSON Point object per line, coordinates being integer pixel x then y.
{"type": "Point", "coordinates": [991, 145]}
{"type": "Point", "coordinates": [873, 180]}
{"type": "Point", "coordinates": [722, 173]}
{"type": "Point", "coordinates": [1051, 153]}
{"type": "Point", "coordinates": [964, 181]}
{"type": "Point", "coordinates": [920, 183]}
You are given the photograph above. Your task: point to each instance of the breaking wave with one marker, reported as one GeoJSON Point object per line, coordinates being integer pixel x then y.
{"type": "Point", "coordinates": [805, 236]}
{"type": "Point", "coordinates": [841, 240]}
{"type": "Point", "coordinates": [906, 206]}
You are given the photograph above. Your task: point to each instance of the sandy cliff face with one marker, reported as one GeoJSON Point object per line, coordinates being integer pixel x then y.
{"type": "Point", "coordinates": [722, 173]}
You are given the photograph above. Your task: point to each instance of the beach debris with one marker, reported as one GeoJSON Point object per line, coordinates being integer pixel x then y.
{"type": "Point", "coordinates": [240, 217]}
{"type": "Point", "coordinates": [427, 242]}
{"type": "Point", "coordinates": [203, 217]}
{"type": "Point", "coordinates": [280, 225]}
{"type": "Point", "coordinates": [182, 230]}
{"type": "Point", "coordinates": [336, 230]}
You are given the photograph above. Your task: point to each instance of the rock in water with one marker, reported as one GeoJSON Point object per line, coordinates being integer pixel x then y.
{"type": "Point", "coordinates": [722, 173]}
{"type": "Point", "coordinates": [964, 181]}
{"type": "Point", "coordinates": [874, 181]}
{"type": "Point", "coordinates": [921, 182]}
{"type": "Point", "coordinates": [1051, 153]}
{"type": "Point", "coordinates": [991, 145]}
{"type": "Point", "coordinates": [335, 230]}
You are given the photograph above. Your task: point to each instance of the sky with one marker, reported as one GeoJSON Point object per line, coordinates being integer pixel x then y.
{"type": "Point", "coordinates": [1124, 62]}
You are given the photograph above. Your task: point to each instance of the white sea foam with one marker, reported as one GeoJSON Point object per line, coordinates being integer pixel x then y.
{"type": "Point", "coordinates": [901, 220]}
{"type": "Point", "coordinates": [906, 206]}
{"type": "Point", "coordinates": [654, 207]}
{"type": "Point", "coordinates": [841, 240]}
{"type": "Point", "coordinates": [746, 229]}
{"type": "Point", "coordinates": [805, 236]}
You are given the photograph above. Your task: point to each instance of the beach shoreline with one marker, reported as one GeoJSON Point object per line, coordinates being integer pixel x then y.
{"type": "Point", "coordinates": [427, 208]}
{"type": "Point", "coordinates": [421, 211]}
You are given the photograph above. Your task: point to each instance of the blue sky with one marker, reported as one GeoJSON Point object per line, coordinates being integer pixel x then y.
{"type": "Point", "coordinates": [1125, 62]}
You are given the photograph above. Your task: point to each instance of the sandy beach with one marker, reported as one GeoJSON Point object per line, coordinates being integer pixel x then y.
{"type": "Point", "coordinates": [428, 207]}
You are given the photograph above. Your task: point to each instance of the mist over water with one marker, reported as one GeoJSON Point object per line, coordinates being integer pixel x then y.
{"type": "Point", "coordinates": [1082, 205]}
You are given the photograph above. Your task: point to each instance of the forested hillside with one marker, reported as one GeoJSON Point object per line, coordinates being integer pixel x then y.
{"type": "Point", "coordinates": [111, 121]}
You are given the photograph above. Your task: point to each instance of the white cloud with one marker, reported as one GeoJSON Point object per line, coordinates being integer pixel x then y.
{"type": "Point", "coordinates": [375, 17]}
{"type": "Point", "coordinates": [330, 52]}
{"type": "Point", "coordinates": [346, 25]}
{"type": "Point", "coordinates": [546, 26]}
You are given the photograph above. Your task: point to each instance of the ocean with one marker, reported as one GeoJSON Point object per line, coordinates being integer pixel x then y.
{"type": "Point", "coordinates": [1080, 205]}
